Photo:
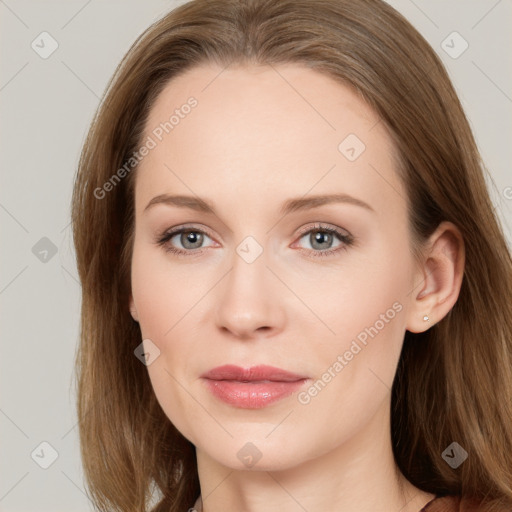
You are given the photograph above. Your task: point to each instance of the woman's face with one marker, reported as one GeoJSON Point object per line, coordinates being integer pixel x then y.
{"type": "Point", "coordinates": [273, 274]}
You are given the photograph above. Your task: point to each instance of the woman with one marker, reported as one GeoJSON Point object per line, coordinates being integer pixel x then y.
{"type": "Point", "coordinates": [296, 294]}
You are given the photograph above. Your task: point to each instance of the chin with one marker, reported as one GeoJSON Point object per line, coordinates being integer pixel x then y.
{"type": "Point", "coordinates": [259, 455]}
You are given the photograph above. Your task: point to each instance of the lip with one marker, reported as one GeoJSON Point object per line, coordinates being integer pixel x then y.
{"type": "Point", "coordinates": [252, 388]}
{"type": "Point", "coordinates": [254, 373]}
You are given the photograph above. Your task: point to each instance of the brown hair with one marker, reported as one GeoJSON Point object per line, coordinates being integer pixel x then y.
{"type": "Point", "coordinates": [453, 382]}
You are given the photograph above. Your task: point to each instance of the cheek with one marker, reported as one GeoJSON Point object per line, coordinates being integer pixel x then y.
{"type": "Point", "coordinates": [163, 297]}
{"type": "Point", "coordinates": [364, 307]}
{"type": "Point", "coordinates": [162, 292]}
{"type": "Point", "coordinates": [355, 372]}
{"type": "Point", "coordinates": [354, 295]}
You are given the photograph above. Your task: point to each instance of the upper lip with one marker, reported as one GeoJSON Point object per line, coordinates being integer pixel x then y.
{"type": "Point", "coordinates": [254, 373]}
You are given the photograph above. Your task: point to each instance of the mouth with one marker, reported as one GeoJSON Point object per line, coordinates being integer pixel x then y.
{"type": "Point", "coordinates": [258, 373]}
{"type": "Point", "coordinates": [252, 388]}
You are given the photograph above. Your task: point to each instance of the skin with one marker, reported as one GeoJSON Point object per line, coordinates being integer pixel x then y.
{"type": "Point", "coordinates": [258, 137]}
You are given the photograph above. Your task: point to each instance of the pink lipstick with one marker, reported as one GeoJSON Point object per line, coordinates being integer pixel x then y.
{"type": "Point", "coordinates": [252, 388]}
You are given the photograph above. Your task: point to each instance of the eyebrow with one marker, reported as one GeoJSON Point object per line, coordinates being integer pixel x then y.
{"type": "Point", "coordinates": [289, 206]}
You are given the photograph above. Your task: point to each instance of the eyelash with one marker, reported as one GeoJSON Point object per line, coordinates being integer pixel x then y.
{"type": "Point", "coordinates": [346, 239]}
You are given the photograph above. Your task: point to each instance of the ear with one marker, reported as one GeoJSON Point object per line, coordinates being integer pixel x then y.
{"type": "Point", "coordinates": [133, 309]}
{"type": "Point", "coordinates": [439, 278]}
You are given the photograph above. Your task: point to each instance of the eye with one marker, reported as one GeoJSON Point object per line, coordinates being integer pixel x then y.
{"type": "Point", "coordinates": [321, 239]}
{"type": "Point", "coordinates": [189, 238]}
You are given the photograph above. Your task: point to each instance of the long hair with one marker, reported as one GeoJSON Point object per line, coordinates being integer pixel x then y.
{"type": "Point", "coordinates": [453, 382]}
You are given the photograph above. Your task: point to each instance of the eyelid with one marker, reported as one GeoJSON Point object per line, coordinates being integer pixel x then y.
{"type": "Point", "coordinates": [323, 226]}
{"type": "Point", "coordinates": [303, 230]}
{"type": "Point", "coordinates": [185, 227]}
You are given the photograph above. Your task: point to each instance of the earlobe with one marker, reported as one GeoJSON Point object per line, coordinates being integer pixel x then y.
{"type": "Point", "coordinates": [441, 278]}
{"type": "Point", "coordinates": [133, 310]}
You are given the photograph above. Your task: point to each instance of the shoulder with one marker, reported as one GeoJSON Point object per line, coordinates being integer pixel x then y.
{"type": "Point", "coordinates": [453, 504]}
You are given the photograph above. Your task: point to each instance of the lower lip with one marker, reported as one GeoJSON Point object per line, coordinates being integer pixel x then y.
{"type": "Point", "coordinates": [252, 395]}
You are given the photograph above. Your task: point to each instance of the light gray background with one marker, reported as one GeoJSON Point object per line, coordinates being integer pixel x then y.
{"type": "Point", "coordinates": [46, 107]}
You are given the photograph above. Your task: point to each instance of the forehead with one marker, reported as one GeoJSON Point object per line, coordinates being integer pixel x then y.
{"type": "Point", "coordinates": [273, 130]}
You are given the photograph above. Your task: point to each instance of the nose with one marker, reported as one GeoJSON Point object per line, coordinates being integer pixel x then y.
{"type": "Point", "coordinates": [249, 302]}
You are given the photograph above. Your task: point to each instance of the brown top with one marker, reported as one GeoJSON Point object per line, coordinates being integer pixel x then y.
{"type": "Point", "coordinates": [450, 504]}
{"type": "Point", "coordinates": [438, 504]}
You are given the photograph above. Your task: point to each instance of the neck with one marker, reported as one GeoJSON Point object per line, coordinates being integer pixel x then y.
{"type": "Point", "coordinates": [359, 475]}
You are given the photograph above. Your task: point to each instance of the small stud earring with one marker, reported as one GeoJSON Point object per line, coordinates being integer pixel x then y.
{"type": "Point", "coordinates": [426, 318]}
